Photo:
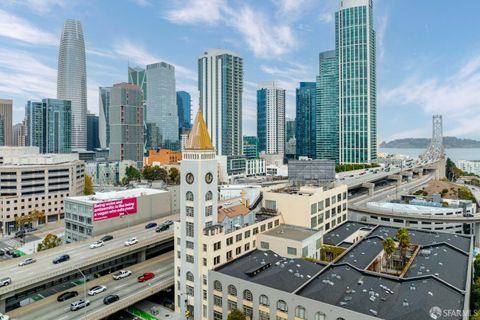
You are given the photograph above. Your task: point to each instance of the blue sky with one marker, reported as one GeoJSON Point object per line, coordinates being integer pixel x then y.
{"type": "Point", "coordinates": [428, 52]}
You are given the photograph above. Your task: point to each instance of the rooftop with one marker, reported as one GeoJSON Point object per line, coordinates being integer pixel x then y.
{"type": "Point", "coordinates": [291, 232]}
{"type": "Point", "coordinates": [232, 212]}
{"type": "Point", "coordinates": [306, 190]}
{"type": "Point", "coordinates": [117, 195]}
{"type": "Point", "coordinates": [342, 232]}
{"type": "Point", "coordinates": [408, 208]}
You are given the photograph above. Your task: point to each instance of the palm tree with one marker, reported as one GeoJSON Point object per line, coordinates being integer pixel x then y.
{"type": "Point", "coordinates": [403, 238]}
{"type": "Point", "coordinates": [389, 248]}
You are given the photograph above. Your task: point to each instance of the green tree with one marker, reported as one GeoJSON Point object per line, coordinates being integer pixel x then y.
{"type": "Point", "coordinates": [50, 241]}
{"type": "Point", "coordinates": [132, 174]}
{"type": "Point", "coordinates": [236, 314]}
{"type": "Point", "coordinates": [389, 248]}
{"type": "Point", "coordinates": [403, 238]}
{"type": "Point", "coordinates": [155, 173]}
{"type": "Point", "coordinates": [174, 175]}
{"type": "Point", "coordinates": [88, 185]}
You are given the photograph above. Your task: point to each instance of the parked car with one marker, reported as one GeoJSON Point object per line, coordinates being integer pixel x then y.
{"type": "Point", "coordinates": [121, 274]}
{"type": "Point", "coordinates": [79, 304]}
{"type": "Point", "coordinates": [150, 225]}
{"type": "Point", "coordinates": [60, 259]}
{"type": "Point", "coordinates": [27, 261]}
{"type": "Point", "coordinates": [162, 227]}
{"type": "Point", "coordinates": [111, 299]}
{"type": "Point", "coordinates": [20, 234]}
{"type": "Point", "coordinates": [97, 244]}
{"type": "Point", "coordinates": [67, 295]}
{"type": "Point", "coordinates": [131, 241]}
{"type": "Point", "coordinates": [106, 238]}
{"type": "Point", "coordinates": [96, 290]}
{"type": "Point", "coordinates": [30, 229]}
{"type": "Point", "coordinates": [146, 276]}
{"type": "Point", "coordinates": [5, 281]}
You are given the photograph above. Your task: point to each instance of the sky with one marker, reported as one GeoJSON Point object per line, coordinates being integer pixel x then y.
{"type": "Point", "coordinates": [428, 52]}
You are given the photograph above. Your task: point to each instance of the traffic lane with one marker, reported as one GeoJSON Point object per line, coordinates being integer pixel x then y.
{"type": "Point", "coordinates": [47, 308]}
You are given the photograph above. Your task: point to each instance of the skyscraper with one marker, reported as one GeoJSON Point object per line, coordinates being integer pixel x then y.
{"type": "Point", "coordinates": [103, 118]}
{"type": "Point", "coordinates": [6, 122]}
{"type": "Point", "coordinates": [328, 130]}
{"type": "Point", "coordinates": [138, 76]}
{"type": "Point", "coordinates": [49, 125]}
{"type": "Point", "coordinates": [355, 49]}
{"type": "Point", "coordinates": [250, 147]}
{"type": "Point", "coordinates": [184, 106]}
{"type": "Point", "coordinates": [162, 103]}
{"type": "Point", "coordinates": [305, 123]}
{"type": "Point", "coordinates": [126, 123]}
{"type": "Point", "coordinates": [92, 132]}
{"type": "Point", "coordinates": [290, 141]}
{"type": "Point", "coordinates": [20, 134]}
{"type": "Point", "coordinates": [271, 118]}
{"type": "Point", "coordinates": [220, 83]}
{"type": "Point", "coordinates": [72, 79]}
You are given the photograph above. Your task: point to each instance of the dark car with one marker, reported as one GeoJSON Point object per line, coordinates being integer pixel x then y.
{"type": "Point", "coordinates": [60, 259]}
{"type": "Point", "coordinates": [168, 222]}
{"type": "Point", "coordinates": [146, 276]}
{"type": "Point", "coordinates": [150, 225]}
{"type": "Point", "coordinates": [162, 227]}
{"type": "Point", "coordinates": [20, 234]}
{"type": "Point", "coordinates": [111, 299]}
{"type": "Point", "coordinates": [106, 238]}
{"type": "Point", "coordinates": [67, 295]}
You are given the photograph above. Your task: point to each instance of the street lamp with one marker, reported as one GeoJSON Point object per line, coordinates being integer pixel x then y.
{"type": "Point", "coordinates": [84, 293]}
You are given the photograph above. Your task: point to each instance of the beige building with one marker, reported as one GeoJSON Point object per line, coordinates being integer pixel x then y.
{"type": "Point", "coordinates": [29, 181]}
{"type": "Point", "coordinates": [6, 122]}
{"type": "Point", "coordinates": [316, 207]}
{"type": "Point", "coordinates": [19, 132]}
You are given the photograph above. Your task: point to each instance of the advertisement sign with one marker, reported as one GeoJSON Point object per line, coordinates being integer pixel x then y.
{"type": "Point", "coordinates": [115, 208]}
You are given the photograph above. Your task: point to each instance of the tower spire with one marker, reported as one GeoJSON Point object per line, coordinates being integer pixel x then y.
{"type": "Point", "coordinates": [199, 139]}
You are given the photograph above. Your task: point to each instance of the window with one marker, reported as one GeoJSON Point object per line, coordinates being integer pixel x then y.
{"type": "Point", "coordinates": [204, 247]}
{"type": "Point", "coordinates": [217, 285]}
{"type": "Point", "coordinates": [216, 260]}
{"type": "Point", "coordinates": [204, 262]}
{"type": "Point", "coordinates": [320, 316]}
{"type": "Point", "coordinates": [189, 245]}
{"type": "Point", "coordinates": [255, 231]}
{"type": "Point", "coordinates": [264, 300]}
{"type": "Point", "coordinates": [263, 315]}
{"type": "Point", "coordinates": [327, 202]}
{"type": "Point", "coordinates": [217, 246]}
{"type": "Point", "coordinates": [247, 247]}
{"type": "Point", "coordinates": [271, 204]}
{"type": "Point", "coordinates": [270, 225]}
{"type": "Point", "coordinates": [262, 228]}
{"type": "Point", "coordinates": [238, 250]}
{"type": "Point", "coordinates": [292, 251]}
{"type": "Point", "coordinates": [232, 290]}
{"type": "Point", "coordinates": [217, 301]}
{"type": "Point", "coordinates": [229, 255]}
{"type": "Point", "coordinates": [282, 306]}
{"type": "Point", "coordinates": [247, 234]}
{"type": "Point", "coordinates": [217, 315]}
{"type": "Point", "coordinates": [320, 205]}
{"type": "Point", "coordinates": [247, 295]}
{"type": "Point", "coordinates": [238, 237]}
{"type": "Point", "coordinates": [320, 218]}
{"type": "Point", "coordinates": [189, 276]}
{"type": "Point", "coordinates": [189, 227]}
{"type": "Point", "coordinates": [264, 245]}
{"type": "Point", "coordinates": [231, 305]}
{"type": "Point", "coordinates": [189, 258]}
{"type": "Point", "coordinates": [208, 211]}
{"type": "Point", "coordinates": [208, 196]}
{"type": "Point", "coordinates": [313, 222]}
{"type": "Point", "coordinates": [189, 211]}
{"type": "Point", "coordinates": [300, 312]}
{"type": "Point", "coordinates": [189, 291]}
{"type": "Point", "coordinates": [248, 312]}
{"type": "Point", "coordinates": [229, 241]}
{"type": "Point", "coordinates": [204, 295]}
{"type": "Point", "coordinates": [189, 196]}
{"type": "Point", "coordinates": [313, 208]}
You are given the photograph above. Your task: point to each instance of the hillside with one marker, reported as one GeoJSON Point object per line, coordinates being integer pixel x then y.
{"type": "Point", "coordinates": [420, 143]}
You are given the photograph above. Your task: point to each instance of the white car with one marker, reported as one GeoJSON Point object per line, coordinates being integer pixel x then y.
{"type": "Point", "coordinates": [25, 262]}
{"type": "Point", "coordinates": [5, 281]}
{"type": "Point", "coordinates": [97, 289]}
{"type": "Point", "coordinates": [79, 304]}
{"type": "Point", "coordinates": [131, 241]}
{"type": "Point", "coordinates": [4, 317]}
{"type": "Point", "coordinates": [121, 274]}
{"type": "Point", "coordinates": [96, 244]}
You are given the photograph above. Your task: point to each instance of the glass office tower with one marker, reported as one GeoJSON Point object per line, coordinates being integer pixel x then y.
{"type": "Point", "coordinates": [306, 126]}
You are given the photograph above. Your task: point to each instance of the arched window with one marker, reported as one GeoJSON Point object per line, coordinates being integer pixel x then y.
{"type": "Point", "coordinates": [320, 316]}
{"type": "Point", "coordinates": [264, 300]}
{"type": "Point", "coordinates": [282, 306]}
{"type": "Point", "coordinates": [232, 290]}
{"type": "Point", "coordinates": [189, 276]}
{"type": "Point", "coordinates": [208, 196]}
{"type": "Point", "coordinates": [217, 286]}
{"type": "Point", "coordinates": [189, 196]}
{"type": "Point", "coordinates": [300, 312]}
{"type": "Point", "coordinates": [247, 295]}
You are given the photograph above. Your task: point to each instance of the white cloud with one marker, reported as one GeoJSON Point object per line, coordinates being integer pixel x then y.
{"type": "Point", "coordinates": [381, 31]}
{"type": "Point", "coordinates": [37, 6]}
{"type": "Point", "coordinates": [326, 17]}
{"type": "Point", "coordinates": [196, 11]}
{"type": "Point", "coordinates": [17, 28]}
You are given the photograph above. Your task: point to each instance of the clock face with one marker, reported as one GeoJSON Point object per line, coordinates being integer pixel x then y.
{"type": "Point", "coordinates": [209, 178]}
{"type": "Point", "coordinates": [189, 178]}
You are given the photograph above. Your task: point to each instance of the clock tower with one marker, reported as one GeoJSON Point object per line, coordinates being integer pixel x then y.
{"type": "Point", "coordinates": [198, 211]}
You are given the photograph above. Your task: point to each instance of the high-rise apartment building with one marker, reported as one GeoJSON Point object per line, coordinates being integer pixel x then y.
{"type": "Point", "coordinates": [72, 79]}
{"type": "Point", "coordinates": [271, 118]}
{"type": "Point", "coordinates": [328, 130]}
{"type": "Point", "coordinates": [103, 119]}
{"type": "Point", "coordinates": [20, 134]}
{"type": "Point", "coordinates": [92, 132]}
{"type": "Point", "coordinates": [6, 106]}
{"type": "Point", "coordinates": [306, 127]}
{"type": "Point", "coordinates": [184, 106]}
{"type": "Point", "coordinates": [290, 141]}
{"type": "Point", "coordinates": [220, 83]}
{"type": "Point", "coordinates": [49, 125]}
{"type": "Point", "coordinates": [126, 123]}
{"type": "Point", "coordinates": [250, 147]}
{"type": "Point", "coordinates": [162, 103]}
{"type": "Point", "coordinates": [355, 49]}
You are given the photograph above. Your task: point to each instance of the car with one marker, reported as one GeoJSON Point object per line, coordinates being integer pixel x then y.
{"type": "Point", "coordinates": [131, 241]}
{"type": "Point", "coordinates": [146, 276]}
{"type": "Point", "coordinates": [168, 222]}
{"type": "Point", "coordinates": [79, 304]}
{"type": "Point", "coordinates": [30, 229]}
{"type": "Point", "coordinates": [150, 225]}
{"type": "Point", "coordinates": [162, 227]}
{"type": "Point", "coordinates": [60, 259]}
{"type": "Point", "coordinates": [67, 295]}
{"type": "Point", "coordinates": [111, 299]}
{"type": "Point", "coordinates": [20, 234]}
{"type": "Point", "coordinates": [4, 317]}
{"type": "Point", "coordinates": [106, 238]}
{"type": "Point", "coordinates": [5, 281]}
{"type": "Point", "coordinates": [27, 261]}
{"type": "Point", "coordinates": [95, 290]}
{"type": "Point", "coordinates": [121, 274]}
{"type": "Point", "coordinates": [97, 244]}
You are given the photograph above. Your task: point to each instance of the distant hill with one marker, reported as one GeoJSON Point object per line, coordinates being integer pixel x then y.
{"type": "Point", "coordinates": [420, 143]}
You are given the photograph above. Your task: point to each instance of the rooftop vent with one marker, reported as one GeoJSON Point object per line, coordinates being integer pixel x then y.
{"type": "Point", "coordinates": [257, 269]}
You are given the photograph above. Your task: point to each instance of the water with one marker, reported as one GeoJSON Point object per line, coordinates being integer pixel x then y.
{"type": "Point", "coordinates": [454, 154]}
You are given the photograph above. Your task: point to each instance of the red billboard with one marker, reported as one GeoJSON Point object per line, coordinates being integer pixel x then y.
{"type": "Point", "coordinates": [115, 208]}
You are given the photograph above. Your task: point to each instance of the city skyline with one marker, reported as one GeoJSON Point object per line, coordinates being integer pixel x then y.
{"type": "Point", "coordinates": [417, 75]}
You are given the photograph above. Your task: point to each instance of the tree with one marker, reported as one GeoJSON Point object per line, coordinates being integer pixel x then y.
{"type": "Point", "coordinates": [154, 173]}
{"type": "Point", "coordinates": [403, 238]}
{"type": "Point", "coordinates": [389, 248]}
{"type": "Point", "coordinates": [88, 185]}
{"type": "Point", "coordinates": [174, 175]}
{"type": "Point", "coordinates": [132, 174]}
{"type": "Point", "coordinates": [236, 314]}
{"type": "Point", "coordinates": [50, 241]}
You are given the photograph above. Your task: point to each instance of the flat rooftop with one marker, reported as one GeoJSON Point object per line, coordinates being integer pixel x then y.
{"type": "Point", "coordinates": [291, 232]}
{"type": "Point", "coordinates": [342, 232]}
{"type": "Point", "coordinates": [306, 190]}
{"type": "Point", "coordinates": [409, 208]}
{"type": "Point", "coordinates": [116, 195]}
